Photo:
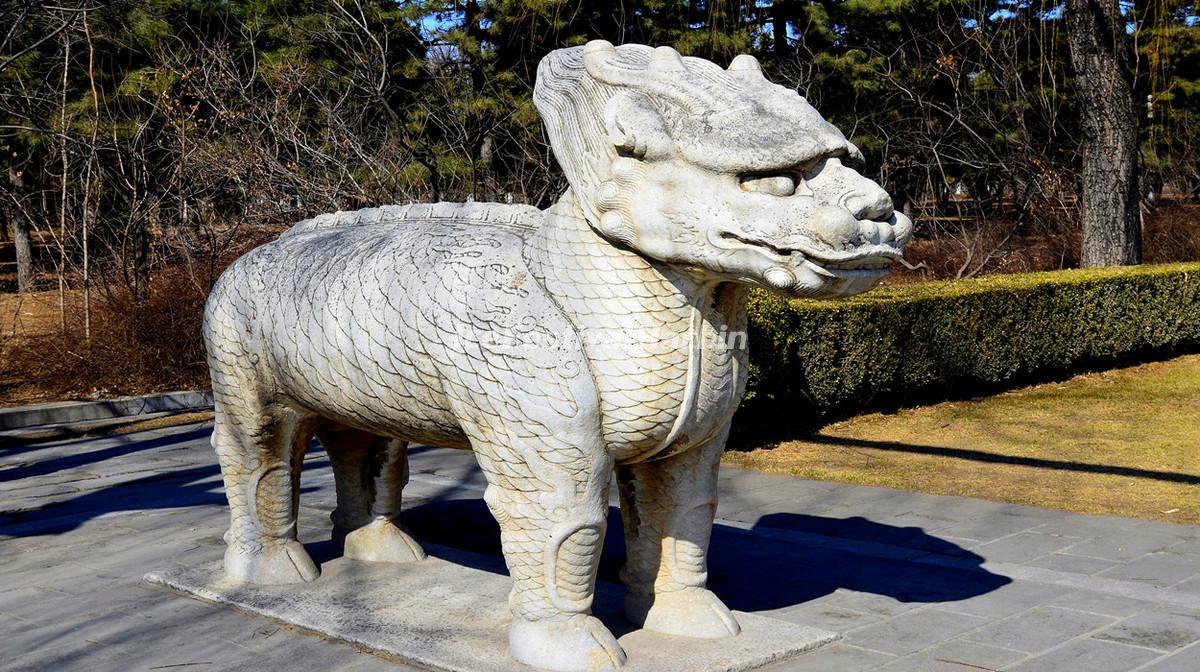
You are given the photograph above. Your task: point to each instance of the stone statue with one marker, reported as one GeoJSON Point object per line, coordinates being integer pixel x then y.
{"type": "Point", "coordinates": [559, 345]}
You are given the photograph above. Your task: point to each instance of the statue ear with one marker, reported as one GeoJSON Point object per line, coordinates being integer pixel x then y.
{"type": "Point", "coordinates": [635, 127]}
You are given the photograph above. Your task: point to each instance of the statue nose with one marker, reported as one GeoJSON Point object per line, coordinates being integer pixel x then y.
{"type": "Point", "coordinates": [873, 204]}
{"type": "Point", "coordinates": [835, 226]}
{"type": "Point", "coordinates": [839, 228]}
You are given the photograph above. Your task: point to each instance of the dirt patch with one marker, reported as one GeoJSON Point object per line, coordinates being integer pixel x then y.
{"type": "Point", "coordinates": [33, 313]}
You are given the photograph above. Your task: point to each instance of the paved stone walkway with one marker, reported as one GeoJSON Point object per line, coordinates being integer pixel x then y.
{"type": "Point", "coordinates": [913, 582]}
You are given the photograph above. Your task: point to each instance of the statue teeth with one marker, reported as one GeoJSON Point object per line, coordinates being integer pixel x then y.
{"type": "Point", "coordinates": [818, 269]}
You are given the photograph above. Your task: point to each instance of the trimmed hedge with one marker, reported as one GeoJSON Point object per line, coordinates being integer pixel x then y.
{"type": "Point", "coordinates": [898, 345]}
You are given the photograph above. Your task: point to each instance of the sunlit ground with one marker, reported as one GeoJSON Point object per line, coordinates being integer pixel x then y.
{"type": "Point", "coordinates": [1123, 442]}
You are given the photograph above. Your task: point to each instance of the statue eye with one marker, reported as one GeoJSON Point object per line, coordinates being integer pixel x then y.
{"type": "Point", "coordinates": [783, 184]}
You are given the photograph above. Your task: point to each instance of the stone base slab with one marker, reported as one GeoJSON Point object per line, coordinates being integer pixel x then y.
{"type": "Point", "coordinates": [450, 612]}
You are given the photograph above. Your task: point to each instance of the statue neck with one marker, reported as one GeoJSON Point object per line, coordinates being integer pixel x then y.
{"type": "Point", "coordinates": [577, 263]}
{"type": "Point", "coordinates": [650, 332]}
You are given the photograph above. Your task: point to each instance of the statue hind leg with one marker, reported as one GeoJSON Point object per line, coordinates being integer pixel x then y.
{"type": "Point", "coordinates": [668, 507]}
{"type": "Point", "coordinates": [260, 446]}
{"type": "Point", "coordinates": [370, 473]}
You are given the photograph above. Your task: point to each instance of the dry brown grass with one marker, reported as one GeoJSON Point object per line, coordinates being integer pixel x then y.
{"type": "Point", "coordinates": [147, 345]}
{"type": "Point", "coordinates": [138, 344]}
{"type": "Point", "coordinates": [1120, 442]}
{"type": "Point", "coordinates": [31, 314]}
{"type": "Point", "coordinates": [1172, 234]}
{"type": "Point", "coordinates": [942, 248]}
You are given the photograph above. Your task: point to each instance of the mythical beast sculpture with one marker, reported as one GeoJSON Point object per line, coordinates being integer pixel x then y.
{"type": "Point", "coordinates": [558, 345]}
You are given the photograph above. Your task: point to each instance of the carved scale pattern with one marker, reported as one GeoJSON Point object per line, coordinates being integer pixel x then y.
{"type": "Point", "coordinates": [633, 318]}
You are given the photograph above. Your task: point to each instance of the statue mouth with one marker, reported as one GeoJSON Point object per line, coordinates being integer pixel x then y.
{"type": "Point", "coordinates": [863, 261]}
{"type": "Point", "coordinates": [872, 260]}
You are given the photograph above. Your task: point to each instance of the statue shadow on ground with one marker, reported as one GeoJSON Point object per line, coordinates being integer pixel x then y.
{"type": "Point", "coordinates": [123, 445]}
{"type": "Point", "coordinates": [176, 489]}
{"type": "Point", "coordinates": [786, 559]}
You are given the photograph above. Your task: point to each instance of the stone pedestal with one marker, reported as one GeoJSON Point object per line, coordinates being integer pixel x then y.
{"type": "Point", "coordinates": [450, 612]}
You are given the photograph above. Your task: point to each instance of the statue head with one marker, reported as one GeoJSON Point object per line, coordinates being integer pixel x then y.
{"type": "Point", "coordinates": [715, 171]}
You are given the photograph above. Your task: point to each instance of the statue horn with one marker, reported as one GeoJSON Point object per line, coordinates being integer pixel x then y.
{"type": "Point", "coordinates": [595, 56]}
{"type": "Point", "coordinates": [744, 65]}
{"type": "Point", "coordinates": [598, 46]}
{"type": "Point", "coordinates": [666, 58]}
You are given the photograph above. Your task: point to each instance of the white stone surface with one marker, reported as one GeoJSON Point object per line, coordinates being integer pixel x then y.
{"type": "Point", "coordinates": [450, 615]}
{"type": "Point", "coordinates": [604, 334]}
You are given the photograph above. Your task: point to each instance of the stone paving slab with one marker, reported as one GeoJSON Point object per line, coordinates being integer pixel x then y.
{"type": "Point", "coordinates": [910, 581]}
{"type": "Point", "coordinates": [450, 612]}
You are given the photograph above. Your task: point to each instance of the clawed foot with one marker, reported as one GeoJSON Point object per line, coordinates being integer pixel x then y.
{"type": "Point", "coordinates": [579, 644]}
{"type": "Point", "coordinates": [381, 541]}
{"type": "Point", "coordinates": [276, 563]}
{"type": "Point", "coordinates": [692, 612]}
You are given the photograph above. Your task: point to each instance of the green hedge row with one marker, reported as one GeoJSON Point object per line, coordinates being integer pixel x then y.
{"type": "Point", "coordinates": [897, 345]}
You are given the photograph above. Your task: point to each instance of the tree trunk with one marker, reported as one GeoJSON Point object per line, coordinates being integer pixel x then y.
{"type": "Point", "coordinates": [1103, 59]}
{"type": "Point", "coordinates": [20, 237]}
{"type": "Point", "coordinates": [18, 230]}
{"type": "Point", "coordinates": [779, 11]}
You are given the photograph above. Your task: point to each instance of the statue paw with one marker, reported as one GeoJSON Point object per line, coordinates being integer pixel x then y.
{"type": "Point", "coordinates": [381, 541]}
{"type": "Point", "coordinates": [275, 563]}
{"type": "Point", "coordinates": [691, 612]}
{"type": "Point", "coordinates": [578, 644]}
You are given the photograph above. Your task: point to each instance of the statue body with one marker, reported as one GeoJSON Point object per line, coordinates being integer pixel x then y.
{"type": "Point", "coordinates": [603, 335]}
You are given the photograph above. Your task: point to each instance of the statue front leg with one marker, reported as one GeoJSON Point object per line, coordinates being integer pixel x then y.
{"type": "Point", "coordinates": [668, 507]}
{"type": "Point", "coordinates": [552, 516]}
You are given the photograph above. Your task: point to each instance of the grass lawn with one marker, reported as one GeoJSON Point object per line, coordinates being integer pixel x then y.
{"type": "Point", "coordinates": [1124, 442]}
